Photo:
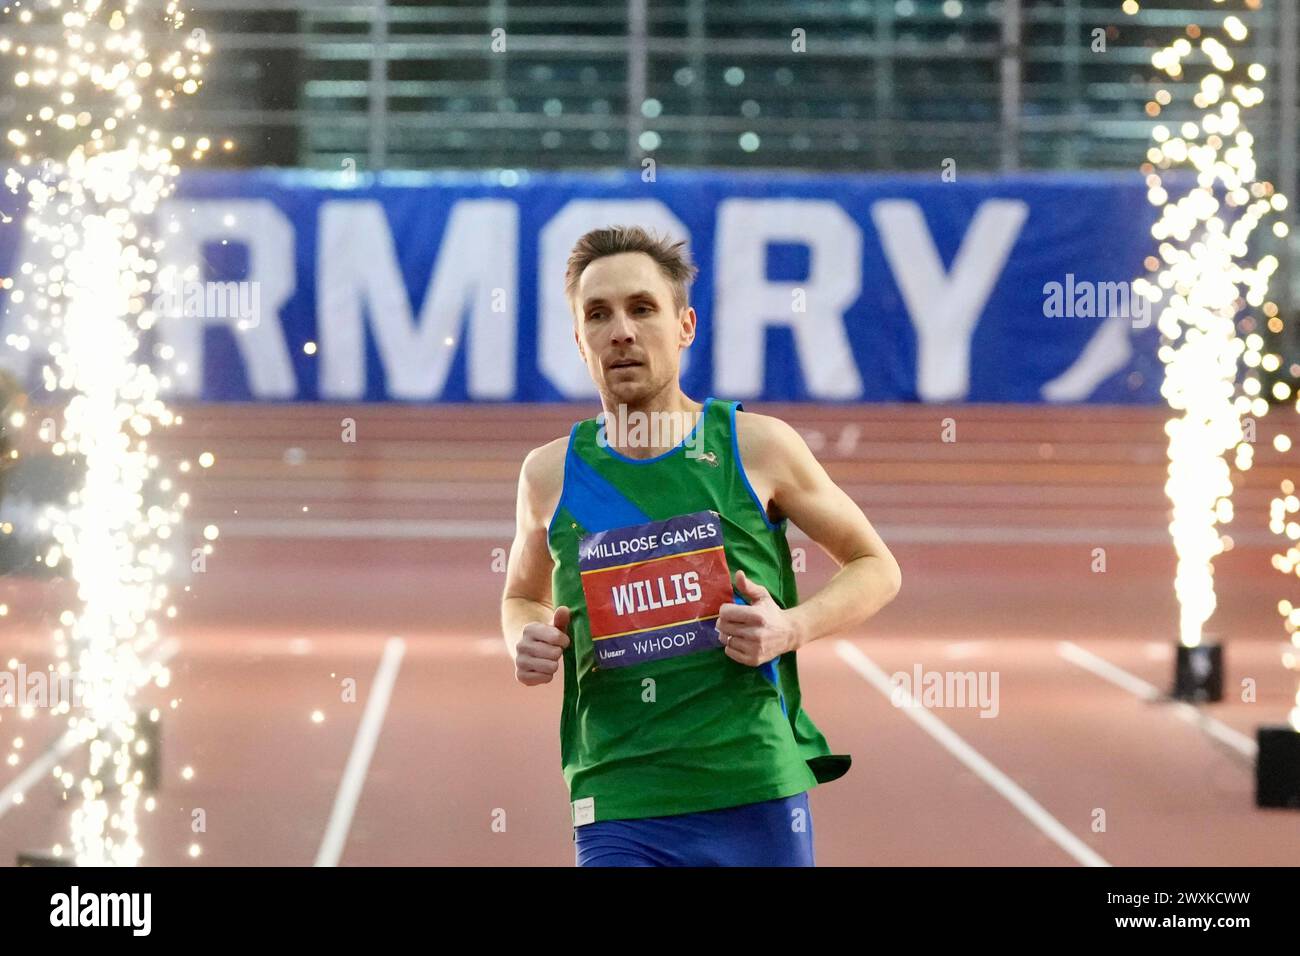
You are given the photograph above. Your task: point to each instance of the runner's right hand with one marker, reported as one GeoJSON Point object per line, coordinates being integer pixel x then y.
{"type": "Point", "coordinates": [540, 648]}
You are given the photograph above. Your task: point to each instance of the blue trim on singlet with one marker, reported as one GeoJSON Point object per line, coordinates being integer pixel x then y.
{"type": "Point", "coordinates": [740, 466]}
{"type": "Point", "coordinates": [592, 500]}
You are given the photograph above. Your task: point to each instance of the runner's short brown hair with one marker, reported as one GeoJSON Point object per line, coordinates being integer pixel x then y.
{"type": "Point", "coordinates": [671, 257]}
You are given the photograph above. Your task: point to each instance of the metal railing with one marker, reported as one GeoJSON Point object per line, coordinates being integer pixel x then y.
{"type": "Point", "coordinates": [849, 85]}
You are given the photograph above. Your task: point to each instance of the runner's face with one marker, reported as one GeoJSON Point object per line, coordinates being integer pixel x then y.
{"type": "Point", "coordinates": [629, 332]}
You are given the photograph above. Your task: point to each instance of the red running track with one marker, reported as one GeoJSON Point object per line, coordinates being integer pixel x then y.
{"type": "Point", "coordinates": [329, 548]}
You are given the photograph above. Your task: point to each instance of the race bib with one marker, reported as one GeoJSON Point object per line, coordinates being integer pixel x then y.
{"type": "Point", "coordinates": [653, 590]}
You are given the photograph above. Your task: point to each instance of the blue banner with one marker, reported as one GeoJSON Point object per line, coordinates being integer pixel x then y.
{"type": "Point", "coordinates": [296, 286]}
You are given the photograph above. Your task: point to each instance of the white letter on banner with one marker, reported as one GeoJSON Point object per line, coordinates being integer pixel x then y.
{"type": "Point", "coordinates": [1108, 351]}
{"type": "Point", "coordinates": [944, 308]}
{"type": "Point", "coordinates": [357, 275]}
{"type": "Point", "coordinates": [557, 355]}
{"type": "Point", "coordinates": [747, 302]}
{"type": "Point", "coordinates": [268, 234]}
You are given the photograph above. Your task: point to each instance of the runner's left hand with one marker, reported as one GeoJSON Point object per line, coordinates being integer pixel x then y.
{"type": "Point", "coordinates": [760, 631]}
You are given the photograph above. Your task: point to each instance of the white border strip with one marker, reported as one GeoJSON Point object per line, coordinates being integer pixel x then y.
{"type": "Point", "coordinates": [1057, 832]}
{"type": "Point", "coordinates": [1139, 688]}
{"type": "Point", "coordinates": [363, 748]}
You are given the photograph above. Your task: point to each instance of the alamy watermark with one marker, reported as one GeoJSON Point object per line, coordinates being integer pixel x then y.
{"type": "Point", "coordinates": [1084, 299]}
{"type": "Point", "coordinates": [958, 689]}
{"type": "Point", "coordinates": [21, 688]}
{"type": "Point", "coordinates": [241, 301]}
{"type": "Point", "coordinates": [77, 909]}
{"type": "Point", "coordinates": [637, 429]}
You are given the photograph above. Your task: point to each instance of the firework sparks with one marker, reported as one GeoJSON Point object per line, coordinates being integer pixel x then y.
{"type": "Point", "coordinates": [1282, 521]}
{"type": "Point", "coordinates": [1259, 200]}
{"type": "Point", "coordinates": [1204, 278]}
{"type": "Point", "coordinates": [92, 168]}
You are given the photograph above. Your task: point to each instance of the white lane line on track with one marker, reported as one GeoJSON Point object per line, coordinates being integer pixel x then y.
{"type": "Point", "coordinates": [1141, 689]}
{"type": "Point", "coordinates": [363, 748]}
{"type": "Point", "coordinates": [36, 771]}
{"type": "Point", "coordinates": [1032, 810]}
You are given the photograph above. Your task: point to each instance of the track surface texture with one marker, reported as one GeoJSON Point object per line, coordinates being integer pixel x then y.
{"type": "Point", "coordinates": [329, 549]}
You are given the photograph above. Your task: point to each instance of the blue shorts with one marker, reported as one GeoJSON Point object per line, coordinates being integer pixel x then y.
{"type": "Point", "coordinates": [772, 833]}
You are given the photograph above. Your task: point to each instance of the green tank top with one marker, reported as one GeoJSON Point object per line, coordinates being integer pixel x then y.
{"type": "Point", "coordinates": [694, 731]}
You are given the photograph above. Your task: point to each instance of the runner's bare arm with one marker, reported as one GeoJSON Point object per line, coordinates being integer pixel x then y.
{"type": "Point", "coordinates": [526, 598]}
{"type": "Point", "coordinates": [786, 476]}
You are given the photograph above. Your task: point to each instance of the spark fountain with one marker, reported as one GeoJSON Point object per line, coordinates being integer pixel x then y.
{"type": "Point", "coordinates": [95, 78]}
{"type": "Point", "coordinates": [1277, 766]}
{"type": "Point", "coordinates": [1204, 280]}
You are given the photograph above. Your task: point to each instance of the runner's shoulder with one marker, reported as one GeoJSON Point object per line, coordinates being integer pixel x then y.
{"type": "Point", "coordinates": [542, 474]}
{"type": "Point", "coordinates": [764, 438]}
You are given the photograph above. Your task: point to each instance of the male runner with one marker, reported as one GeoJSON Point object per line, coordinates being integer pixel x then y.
{"type": "Point", "coordinates": [682, 734]}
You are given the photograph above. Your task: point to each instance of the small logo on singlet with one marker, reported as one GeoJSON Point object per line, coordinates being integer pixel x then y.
{"type": "Point", "coordinates": [710, 457]}
{"type": "Point", "coordinates": [584, 811]}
